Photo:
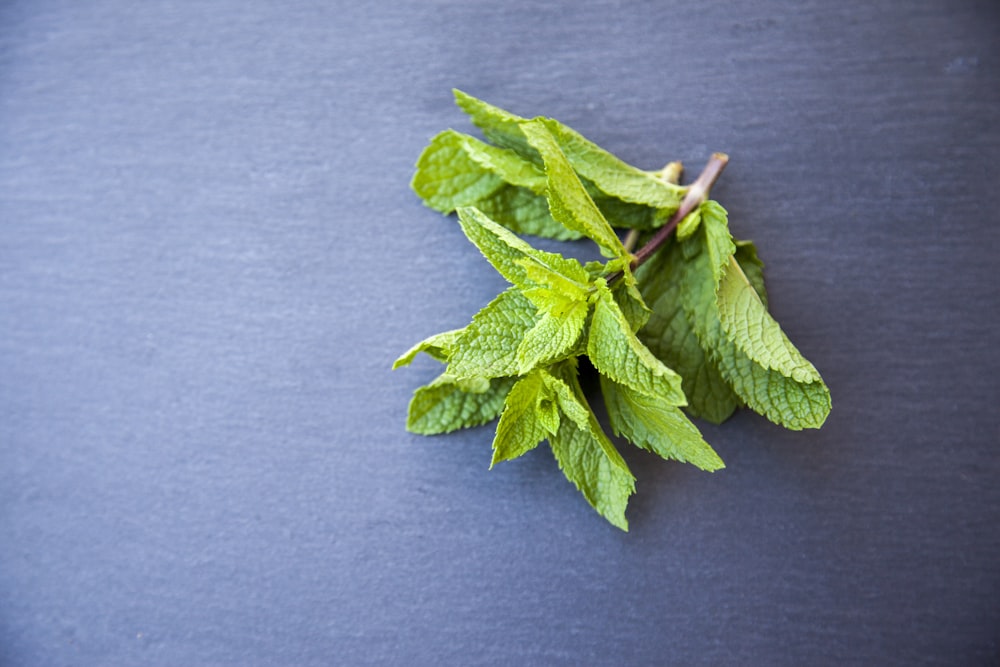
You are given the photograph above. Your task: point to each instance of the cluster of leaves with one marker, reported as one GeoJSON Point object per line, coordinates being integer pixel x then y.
{"type": "Point", "coordinates": [681, 324]}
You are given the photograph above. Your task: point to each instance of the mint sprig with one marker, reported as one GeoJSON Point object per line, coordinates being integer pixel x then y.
{"type": "Point", "coordinates": [679, 326]}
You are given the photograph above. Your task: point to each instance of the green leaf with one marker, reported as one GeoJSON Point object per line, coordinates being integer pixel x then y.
{"type": "Point", "coordinates": [670, 335]}
{"type": "Point", "coordinates": [794, 405]}
{"type": "Point", "coordinates": [747, 323]}
{"type": "Point", "coordinates": [447, 178]}
{"type": "Point", "coordinates": [448, 403]}
{"type": "Point", "coordinates": [607, 172]}
{"type": "Point", "coordinates": [569, 202]}
{"type": "Point", "coordinates": [513, 257]}
{"type": "Point", "coordinates": [505, 163]}
{"type": "Point", "coordinates": [653, 424]}
{"type": "Point", "coordinates": [554, 335]}
{"type": "Point", "coordinates": [783, 400]}
{"type": "Point", "coordinates": [689, 225]}
{"type": "Point", "coordinates": [718, 243]}
{"type": "Point", "coordinates": [437, 346]}
{"type": "Point", "coordinates": [629, 298]}
{"type": "Point", "coordinates": [488, 346]}
{"type": "Point", "coordinates": [529, 416]}
{"type": "Point", "coordinates": [616, 352]}
{"type": "Point", "coordinates": [753, 267]}
{"type": "Point", "coordinates": [612, 175]}
{"type": "Point", "coordinates": [501, 127]}
{"type": "Point", "coordinates": [456, 170]}
{"type": "Point", "coordinates": [589, 459]}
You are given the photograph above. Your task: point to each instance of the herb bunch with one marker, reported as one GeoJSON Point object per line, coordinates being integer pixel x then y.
{"type": "Point", "coordinates": [679, 326]}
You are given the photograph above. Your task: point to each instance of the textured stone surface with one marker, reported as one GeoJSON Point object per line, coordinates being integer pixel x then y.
{"type": "Point", "coordinates": [202, 452]}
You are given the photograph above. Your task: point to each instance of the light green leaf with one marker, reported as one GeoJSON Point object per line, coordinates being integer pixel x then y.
{"type": "Point", "coordinates": [488, 346]}
{"type": "Point", "coordinates": [606, 171]}
{"type": "Point", "coordinates": [569, 202]}
{"type": "Point", "coordinates": [653, 424]}
{"type": "Point", "coordinates": [747, 323]}
{"type": "Point", "coordinates": [501, 127]}
{"type": "Point", "coordinates": [524, 212]}
{"type": "Point", "coordinates": [687, 227]}
{"type": "Point", "coordinates": [718, 244]}
{"type": "Point", "coordinates": [505, 163]}
{"type": "Point", "coordinates": [510, 255]}
{"type": "Point", "coordinates": [447, 404]}
{"type": "Point", "coordinates": [447, 178]}
{"type": "Point", "coordinates": [554, 335]}
{"type": "Point", "coordinates": [616, 352]}
{"type": "Point", "coordinates": [527, 418]}
{"type": "Point", "coordinates": [589, 459]}
{"type": "Point", "coordinates": [630, 300]}
{"type": "Point", "coordinates": [456, 170]}
{"type": "Point", "coordinates": [438, 346]}
{"type": "Point", "coordinates": [670, 335]}
{"type": "Point", "coordinates": [612, 175]}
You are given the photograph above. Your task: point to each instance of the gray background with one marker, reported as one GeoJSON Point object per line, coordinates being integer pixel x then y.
{"type": "Point", "coordinates": [209, 257]}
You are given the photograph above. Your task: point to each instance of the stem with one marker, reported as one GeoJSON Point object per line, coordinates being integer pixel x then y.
{"type": "Point", "coordinates": [671, 173]}
{"type": "Point", "coordinates": [696, 194]}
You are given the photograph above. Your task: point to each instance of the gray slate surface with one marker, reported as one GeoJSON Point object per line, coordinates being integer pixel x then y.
{"type": "Point", "coordinates": [209, 257]}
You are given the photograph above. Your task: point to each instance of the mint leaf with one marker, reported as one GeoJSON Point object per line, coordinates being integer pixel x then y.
{"type": "Point", "coordinates": [529, 416]}
{"type": "Point", "coordinates": [718, 243]}
{"type": "Point", "coordinates": [608, 173]}
{"type": "Point", "coordinates": [783, 400]}
{"type": "Point", "coordinates": [513, 257]}
{"type": "Point", "coordinates": [456, 170]}
{"type": "Point", "coordinates": [653, 424]}
{"type": "Point", "coordinates": [554, 335]}
{"type": "Point", "coordinates": [447, 178]}
{"type": "Point", "coordinates": [437, 346]}
{"type": "Point", "coordinates": [612, 175]}
{"type": "Point", "coordinates": [753, 267]}
{"type": "Point", "coordinates": [748, 324]}
{"type": "Point", "coordinates": [589, 459]}
{"type": "Point", "coordinates": [617, 353]}
{"type": "Point", "coordinates": [447, 404]}
{"type": "Point", "coordinates": [569, 202]}
{"type": "Point", "coordinates": [670, 335]}
{"type": "Point", "coordinates": [488, 346]}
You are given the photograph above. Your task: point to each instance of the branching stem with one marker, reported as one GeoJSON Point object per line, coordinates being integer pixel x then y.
{"type": "Point", "coordinates": [697, 193]}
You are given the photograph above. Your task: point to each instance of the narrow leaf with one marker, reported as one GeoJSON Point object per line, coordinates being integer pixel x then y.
{"type": "Point", "coordinates": [569, 202]}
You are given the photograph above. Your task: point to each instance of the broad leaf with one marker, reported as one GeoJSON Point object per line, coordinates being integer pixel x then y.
{"type": "Point", "coordinates": [670, 335]}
